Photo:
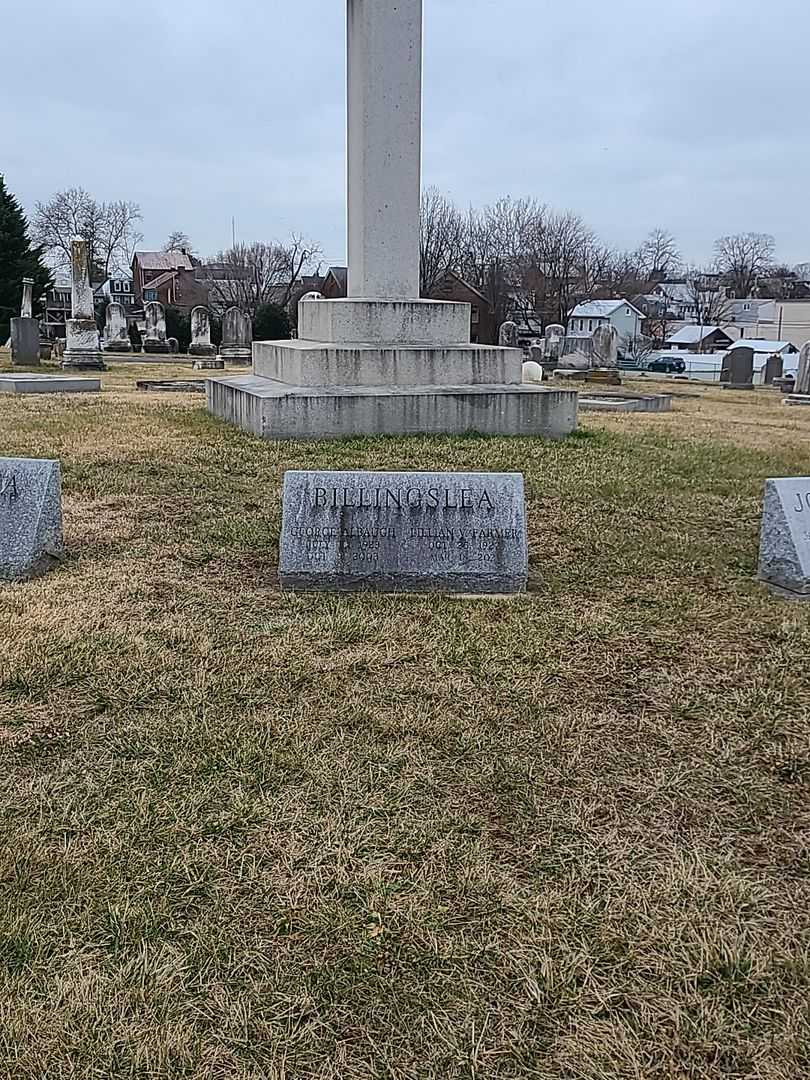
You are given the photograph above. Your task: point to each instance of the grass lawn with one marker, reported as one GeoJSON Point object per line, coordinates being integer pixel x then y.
{"type": "Point", "coordinates": [248, 834]}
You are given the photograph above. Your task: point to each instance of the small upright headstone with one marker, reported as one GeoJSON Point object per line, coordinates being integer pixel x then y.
{"type": "Point", "coordinates": [82, 349]}
{"type": "Point", "coordinates": [25, 331]}
{"type": "Point", "coordinates": [30, 517]}
{"type": "Point", "coordinates": [116, 335]}
{"type": "Point", "coordinates": [200, 333]}
{"type": "Point", "coordinates": [404, 532]}
{"type": "Point", "coordinates": [784, 547]}
{"type": "Point", "coordinates": [605, 340]}
{"type": "Point", "coordinates": [155, 337]}
{"type": "Point", "coordinates": [237, 337]}
{"type": "Point", "coordinates": [802, 384]}
{"type": "Point", "coordinates": [773, 370]}
{"type": "Point", "coordinates": [555, 338]}
{"type": "Point", "coordinates": [738, 369]}
{"type": "Point", "coordinates": [508, 334]}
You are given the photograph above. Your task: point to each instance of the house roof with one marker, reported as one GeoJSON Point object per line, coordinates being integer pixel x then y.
{"type": "Point", "coordinates": [690, 335]}
{"type": "Point", "coordinates": [161, 279]}
{"type": "Point", "coordinates": [600, 309]}
{"type": "Point", "coordinates": [164, 260]}
{"type": "Point", "coordinates": [340, 274]}
{"type": "Point", "coordinates": [760, 345]}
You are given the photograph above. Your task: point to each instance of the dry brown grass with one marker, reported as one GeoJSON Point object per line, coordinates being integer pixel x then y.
{"type": "Point", "coordinates": [250, 834]}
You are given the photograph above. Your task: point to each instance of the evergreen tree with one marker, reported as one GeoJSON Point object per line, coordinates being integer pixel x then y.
{"type": "Point", "coordinates": [18, 259]}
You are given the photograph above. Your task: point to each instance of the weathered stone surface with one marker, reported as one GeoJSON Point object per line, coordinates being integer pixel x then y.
{"type": "Point", "coordinates": [175, 386]}
{"type": "Point", "coordinates": [404, 532]}
{"type": "Point", "coordinates": [82, 350]}
{"type": "Point", "coordinates": [555, 339]}
{"type": "Point", "coordinates": [201, 333]}
{"type": "Point", "coordinates": [384, 322]}
{"type": "Point", "coordinates": [27, 307]}
{"type": "Point", "coordinates": [30, 517]}
{"type": "Point", "coordinates": [116, 335]}
{"type": "Point", "coordinates": [237, 337]}
{"type": "Point", "coordinates": [274, 410]}
{"type": "Point", "coordinates": [802, 385]}
{"type": "Point", "coordinates": [605, 339]}
{"type": "Point", "coordinates": [155, 337]}
{"type": "Point", "coordinates": [47, 384]}
{"type": "Point", "coordinates": [313, 363]}
{"type": "Point", "coordinates": [24, 342]}
{"type": "Point", "coordinates": [508, 335]}
{"type": "Point", "coordinates": [773, 370]}
{"type": "Point", "coordinates": [784, 547]}
{"type": "Point", "coordinates": [532, 372]}
{"type": "Point", "coordinates": [208, 363]}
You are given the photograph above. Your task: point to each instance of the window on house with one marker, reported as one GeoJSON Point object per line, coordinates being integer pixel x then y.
{"type": "Point", "coordinates": [746, 307]}
{"type": "Point", "coordinates": [150, 294]}
{"type": "Point", "coordinates": [627, 311]}
{"type": "Point", "coordinates": [476, 316]}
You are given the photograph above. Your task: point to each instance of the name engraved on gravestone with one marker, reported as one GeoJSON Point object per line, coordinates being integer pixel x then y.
{"type": "Point", "coordinates": [404, 532]}
{"type": "Point", "coordinates": [30, 517]}
{"type": "Point", "coordinates": [784, 549]}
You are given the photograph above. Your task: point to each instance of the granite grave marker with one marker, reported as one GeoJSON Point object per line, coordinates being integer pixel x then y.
{"type": "Point", "coordinates": [784, 546]}
{"type": "Point", "coordinates": [30, 517]}
{"type": "Point", "coordinates": [404, 532]}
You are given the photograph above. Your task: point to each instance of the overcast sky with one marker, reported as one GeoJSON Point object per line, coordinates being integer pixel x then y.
{"type": "Point", "coordinates": [690, 115]}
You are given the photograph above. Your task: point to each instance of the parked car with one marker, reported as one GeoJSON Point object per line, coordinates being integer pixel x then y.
{"type": "Point", "coordinates": [669, 365]}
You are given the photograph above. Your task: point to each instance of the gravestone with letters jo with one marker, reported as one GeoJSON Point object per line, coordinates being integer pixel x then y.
{"type": "Point", "coordinates": [784, 548]}
{"type": "Point", "coordinates": [404, 532]}
{"type": "Point", "coordinates": [30, 517]}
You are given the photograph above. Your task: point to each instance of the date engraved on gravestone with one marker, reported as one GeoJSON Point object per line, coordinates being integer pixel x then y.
{"type": "Point", "coordinates": [30, 517]}
{"type": "Point", "coordinates": [404, 532]}
{"type": "Point", "coordinates": [784, 548]}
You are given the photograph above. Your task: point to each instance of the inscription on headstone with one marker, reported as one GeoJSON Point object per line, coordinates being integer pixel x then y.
{"type": "Point", "coordinates": [784, 548]}
{"type": "Point", "coordinates": [404, 532]}
{"type": "Point", "coordinates": [30, 517]}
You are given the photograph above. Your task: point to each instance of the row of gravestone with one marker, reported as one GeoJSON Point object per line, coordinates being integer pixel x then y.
{"type": "Point", "coordinates": [556, 351]}
{"type": "Point", "coordinates": [237, 332]}
{"type": "Point", "coordinates": [391, 531]}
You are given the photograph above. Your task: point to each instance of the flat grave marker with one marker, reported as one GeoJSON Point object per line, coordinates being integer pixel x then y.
{"type": "Point", "coordinates": [404, 532]}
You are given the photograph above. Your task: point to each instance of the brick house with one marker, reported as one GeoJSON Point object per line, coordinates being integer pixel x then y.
{"type": "Point", "coordinates": [168, 277]}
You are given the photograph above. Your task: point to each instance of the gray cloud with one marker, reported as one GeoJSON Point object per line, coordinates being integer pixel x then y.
{"type": "Point", "coordinates": [692, 116]}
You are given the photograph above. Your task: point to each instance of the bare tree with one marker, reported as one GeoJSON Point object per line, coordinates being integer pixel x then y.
{"type": "Point", "coordinates": [659, 254]}
{"type": "Point", "coordinates": [250, 275]}
{"type": "Point", "coordinates": [110, 230]}
{"type": "Point", "coordinates": [178, 241]}
{"type": "Point", "coordinates": [743, 258]}
{"type": "Point", "coordinates": [709, 299]}
{"type": "Point", "coordinates": [638, 348]}
{"type": "Point", "coordinates": [441, 239]}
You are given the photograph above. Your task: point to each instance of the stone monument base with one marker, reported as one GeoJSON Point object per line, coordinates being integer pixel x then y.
{"type": "Point", "coordinates": [202, 350]}
{"type": "Point", "coordinates": [82, 351]}
{"type": "Point", "coordinates": [276, 410]}
{"type": "Point", "coordinates": [210, 363]}
{"type": "Point", "coordinates": [118, 347]}
{"type": "Point", "coordinates": [797, 399]}
{"type": "Point", "coordinates": [161, 347]}
{"type": "Point", "coordinates": [236, 355]}
{"type": "Point", "coordinates": [24, 342]}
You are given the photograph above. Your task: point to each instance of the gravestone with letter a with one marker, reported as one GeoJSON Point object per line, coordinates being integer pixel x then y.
{"type": "Point", "coordinates": [784, 548]}
{"type": "Point", "coordinates": [30, 517]}
{"type": "Point", "coordinates": [404, 532]}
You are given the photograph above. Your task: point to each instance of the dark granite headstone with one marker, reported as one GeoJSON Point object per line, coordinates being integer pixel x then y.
{"type": "Point", "coordinates": [784, 548]}
{"type": "Point", "coordinates": [404, 532]}
{"type": "Point", "coordinates": [738, 369]}
{"type": "Point", "coordinates": [30, 517]}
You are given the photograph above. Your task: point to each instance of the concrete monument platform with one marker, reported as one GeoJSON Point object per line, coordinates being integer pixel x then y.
{"type": "Point", "coordinates": [47, 384]}
{"type": "Point", "coordinates": [382, 361]}
{"type": "Point", "coordinates": [607, 402]}
{"type": "Point", "coordinates": [275, 410]}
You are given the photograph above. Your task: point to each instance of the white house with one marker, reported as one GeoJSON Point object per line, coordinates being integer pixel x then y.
{"type": "Point", "coordinates": [621, 314]}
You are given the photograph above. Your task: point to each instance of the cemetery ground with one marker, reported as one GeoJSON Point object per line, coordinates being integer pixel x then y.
{"type": "Point", "coordinates": [254, 834]}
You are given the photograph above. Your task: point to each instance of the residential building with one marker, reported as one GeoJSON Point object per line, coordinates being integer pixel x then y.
{"type": "Point", "coordinates": [620, 314]}
{"type": "Point", "coordinates": [702, 339]}
{"type": "Point", "coordinates": [788, 320]}
{"type": "Point", "coordinates": [336, 283]}
{"type": "Point", "coordinates": [168, 277]}
{"type": "Point", "coordinates": [483, 324]}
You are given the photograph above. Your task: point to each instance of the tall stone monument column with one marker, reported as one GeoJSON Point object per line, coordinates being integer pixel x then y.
{"type": "Point", "coordinates": [81, 348]}
{"type": "Point", "coordinates": [383, 360]}
{"type": "Point", "coordinates": [384, 147]}
{"type": "Point", "coordinates": [25, 330]}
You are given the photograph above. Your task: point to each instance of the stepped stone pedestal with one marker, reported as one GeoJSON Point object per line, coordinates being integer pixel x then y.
{"type": "Point", "coordinates": [381, 361]}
